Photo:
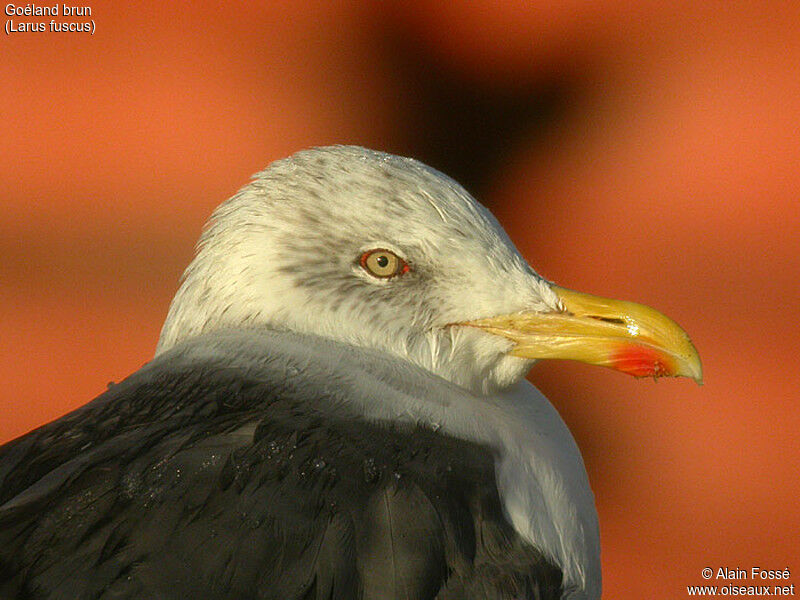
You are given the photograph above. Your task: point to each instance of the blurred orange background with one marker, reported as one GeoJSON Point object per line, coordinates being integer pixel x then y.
{"type": "Point", "coordinates": [647, 152]}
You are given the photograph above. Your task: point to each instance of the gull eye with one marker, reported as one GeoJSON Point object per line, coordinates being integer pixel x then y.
{"type": "Point", "coordinates": [383, 264]}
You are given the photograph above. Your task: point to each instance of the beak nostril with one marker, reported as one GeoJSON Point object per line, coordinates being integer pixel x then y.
{"type": "Point", "coordinates": [615, 320]}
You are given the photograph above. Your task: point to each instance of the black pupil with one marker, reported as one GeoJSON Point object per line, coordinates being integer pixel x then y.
{"type": "Point", "coordinates": [383, 261]}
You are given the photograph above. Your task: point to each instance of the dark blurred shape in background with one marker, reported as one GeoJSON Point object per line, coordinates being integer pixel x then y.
{"type": "Point", "coordinates": [647, 152]}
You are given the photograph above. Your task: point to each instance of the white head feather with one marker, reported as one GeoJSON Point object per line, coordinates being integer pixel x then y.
{"type": "Point", "coordinates": [284, 251]}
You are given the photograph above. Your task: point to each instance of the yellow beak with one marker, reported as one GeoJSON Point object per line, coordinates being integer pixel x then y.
{"type": "Point", "coordinates": [625, 336]}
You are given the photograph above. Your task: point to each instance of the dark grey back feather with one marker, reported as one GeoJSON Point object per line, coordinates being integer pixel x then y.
{"type": "Point", "coordinates": [207, 481]}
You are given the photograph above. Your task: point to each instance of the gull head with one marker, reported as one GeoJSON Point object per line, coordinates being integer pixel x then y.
{"type": "Point", "coordinates": [386, 253]}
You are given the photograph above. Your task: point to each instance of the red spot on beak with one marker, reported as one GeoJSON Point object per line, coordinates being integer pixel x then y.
{"type": "Point", "coordinates": [641, 361]}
